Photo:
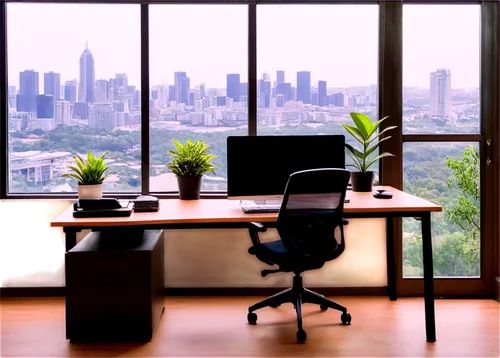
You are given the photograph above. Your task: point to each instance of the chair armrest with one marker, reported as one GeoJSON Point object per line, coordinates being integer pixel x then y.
{"type": "Point", "coordinates": [254, 229]}
{"type": "Point", "coordinates": [257, 227]}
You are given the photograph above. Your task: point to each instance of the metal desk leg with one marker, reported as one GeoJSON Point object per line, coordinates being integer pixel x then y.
{"type": "Point", "coordinates": [391, 264]}
{"type": "Point", "coordinates": [430, 320]}
{"type": "Point", "coordinates": [70, 237]}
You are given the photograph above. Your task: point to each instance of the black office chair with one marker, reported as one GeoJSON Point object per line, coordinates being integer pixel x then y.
{"type": "Point", "coordinates": [311, 210]}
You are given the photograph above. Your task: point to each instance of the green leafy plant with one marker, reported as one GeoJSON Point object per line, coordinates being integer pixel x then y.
{"type": "Point", "coordinates": [191, 159]}
{"type": "Point", "coordinates": [365, 132]}
{"type": "Point", "coordinates": [90, 171]}
{"type": "Point", "coordinates": [466, 212]}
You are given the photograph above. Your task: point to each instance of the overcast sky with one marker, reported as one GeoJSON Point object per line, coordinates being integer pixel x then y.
{"type": "Point", "coordinates": [337, 43]}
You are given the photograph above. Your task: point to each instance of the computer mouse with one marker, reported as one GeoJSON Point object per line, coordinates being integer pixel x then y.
{"type": "Point", "coordinates": [382, 194]}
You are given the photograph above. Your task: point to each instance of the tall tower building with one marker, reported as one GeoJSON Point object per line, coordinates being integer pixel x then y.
{"type": "Point", "coordinates": [101, 91]}
{"type": "Point", "coordinates": [182, 84]}
{"type": "Point", "coordinates": [322, 93]}
{"type": "Point", "coordinates": [52, 85]}
{"type": "Point", "coordinates": [304, 87]}
{"type": "Point", "coordinates": [62, 114]}
{"type": "Point", "coordinates": [280, 76]}
{"type": "Point", "coordinates": [70, 91]}
{"type": "Point", "coordinates": [233, 86]}
{"type": "Point", "coordinates": [28, 90]}
{"type": "Point", "coordinates": [87, 77]}
{"type": "Point", "coordinates": [440, 101]}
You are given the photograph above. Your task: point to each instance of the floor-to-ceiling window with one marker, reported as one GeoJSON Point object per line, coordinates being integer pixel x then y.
{"type": "Point", "coordinates": [74, 80]}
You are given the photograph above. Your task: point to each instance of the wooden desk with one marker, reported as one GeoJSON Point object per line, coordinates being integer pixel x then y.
{"type": "Point", "coordinates": [222, 213]}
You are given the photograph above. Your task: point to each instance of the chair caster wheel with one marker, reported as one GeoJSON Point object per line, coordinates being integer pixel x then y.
{"type": "Point", "coordinates": [346, 318]}
{"type": "Point", "coordinates": [323, 307]}
{"type": "Point", "coordinates": [252, 318]}
{"type": "Point", "coordinates": [274, 306]}
{"type": "Point", "coordinates": [301, 336]}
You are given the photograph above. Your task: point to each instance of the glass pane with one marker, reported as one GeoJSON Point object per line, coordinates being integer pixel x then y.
{"type": "Point", "coordinates": [315, 72]}
{"type": "Point", "coordinates": [441, 68]}
{"type": "Point", "coordinates": [446, 174]}
{"type": "Point", "coordinates": [73, 87]}
{"type": "Point", "coordinates": [198, 81]}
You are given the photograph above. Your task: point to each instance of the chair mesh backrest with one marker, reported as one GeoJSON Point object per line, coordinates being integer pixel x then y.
{"type": "Point", "coordinates": [312, 209]}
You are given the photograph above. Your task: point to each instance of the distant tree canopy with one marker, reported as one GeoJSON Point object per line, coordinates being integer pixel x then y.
{"type": "Point", "coordinates": [466, 211]}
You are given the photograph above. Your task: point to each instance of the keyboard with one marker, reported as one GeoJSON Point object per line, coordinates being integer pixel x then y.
{"type": "Point", "coordinates": [260, 208]}
{"type": "Point", "coordinates": [266, 208]}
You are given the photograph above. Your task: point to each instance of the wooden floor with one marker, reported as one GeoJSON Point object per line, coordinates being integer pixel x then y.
{"type": "Point", "coordinates": [217, 327]}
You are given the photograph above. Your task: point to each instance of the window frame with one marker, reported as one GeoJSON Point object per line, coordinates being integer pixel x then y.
{"type": "Point", "coordinates": [390, 100]}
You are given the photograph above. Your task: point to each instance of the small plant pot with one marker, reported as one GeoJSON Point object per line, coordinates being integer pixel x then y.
{"type": "Point", "coordinates": [189, 187]}
{"type": "Point", "coordinates": [90, 191]}
{"type": "Point", "coordinates": [362, 182]}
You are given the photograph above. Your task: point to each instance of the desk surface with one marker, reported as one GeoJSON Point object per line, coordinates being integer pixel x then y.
{"type": "Point", "coordinates": [175, 211]}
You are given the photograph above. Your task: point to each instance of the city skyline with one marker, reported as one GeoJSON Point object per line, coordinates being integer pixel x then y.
{"type": "Point", "coordinates": [115, 42]}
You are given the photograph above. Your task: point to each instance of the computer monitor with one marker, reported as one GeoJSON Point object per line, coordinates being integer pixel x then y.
{"type": "Point", "coordinates": [258, 167]}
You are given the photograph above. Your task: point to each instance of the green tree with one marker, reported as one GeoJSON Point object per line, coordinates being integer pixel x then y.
{"type": "Point", "coordinates": [465, 212]}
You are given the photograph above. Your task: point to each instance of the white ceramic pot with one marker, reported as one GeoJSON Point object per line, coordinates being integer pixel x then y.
{"type": "Point", "coordinates": [90, 191]}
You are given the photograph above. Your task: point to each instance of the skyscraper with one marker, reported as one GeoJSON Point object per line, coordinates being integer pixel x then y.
{"type": "Point", "coordinates": [280, 76]}
{"type": "Point", "coordinates": [70, 91]}
{"type": "Point", "coordinates": [182, 84]}
{"type": "Point", "coordinates": [304, 87]}
{"type": "Point", "coordinates": [52, 85]}
{"type": "Point", "coordinates": [233, 86]}
{"type": "Point", "coordinates": [28, 90]}
{"type": "Point", "coordinates": [440, 101]}
{"type": "Point", "coordinates": [101, 91]}
{"type": "Point", "coordinates": [322, 93]}
{"type": "Point", "coordinates": [87, 77]}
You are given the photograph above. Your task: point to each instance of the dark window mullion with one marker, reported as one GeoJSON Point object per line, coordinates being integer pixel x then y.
{"type": "Point", "coordinates": [145, 129]}
{"type": "Point", "coordinates": [252, 70]}
{"type": "Point", "coordinates": [3, 102]}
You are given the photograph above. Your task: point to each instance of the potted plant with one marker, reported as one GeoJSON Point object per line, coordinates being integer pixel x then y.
{"type": "Point", "coordinates": [190, 161]}
{"type": "Point", "coordinates": [90, 174]}
{"type": "Point", "coordinates": [365, 132]}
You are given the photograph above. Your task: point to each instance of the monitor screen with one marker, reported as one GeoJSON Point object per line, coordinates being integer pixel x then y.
{"type": "Point", "coordinates": [258, 167]}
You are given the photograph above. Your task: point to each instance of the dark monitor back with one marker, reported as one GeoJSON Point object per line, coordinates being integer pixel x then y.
{"type": "Point", "coordinates": [258, 167]}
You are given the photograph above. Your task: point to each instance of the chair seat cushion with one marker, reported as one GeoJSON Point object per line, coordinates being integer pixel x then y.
{"type": "Point", "coordinates": [275, 252]}
{"type": "Point", "coordinates": [275, 247]}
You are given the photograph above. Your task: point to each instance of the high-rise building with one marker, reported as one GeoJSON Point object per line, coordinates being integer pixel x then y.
{"type": "Point", "coordinates": [101, 91]}
{"type": "Point", "coordinates": [322, 93]}
{"type": "Point", "coordinates": [280, 76]}
{"type": "Point", "coordinates": [11, 97]}
{"type": "Point", "coordinates": [264, 100]}
{"type": "Point", "coordinates": [202, 90]}
{"type": "Point", "coordinates": [440, 101]}
{"type": "Point", "coordinates": [87, 77]}
{"type": "Point", "coordinates": [70, 91]}
{"type": "Point", "coordinates": [62, 113]}
{"type": "Point", "coordinates": [304, 87]}
{"type": "Point", "coordinates": [102, 116]}
{"type": "Point", "coordinates": [28, 90]}
{"type": "Point", "coordinates": [285, 89]}
{"type": "Point", "coordinates": [233, 86]}
{"type": "Point", "coordinates": [182, 84]}
{"type": "Point", "coordinates": [171, 93]}
{"type": "Point", "coordinates": [52, 85]}
{"type": "Point", "coordinates": [45, 106]}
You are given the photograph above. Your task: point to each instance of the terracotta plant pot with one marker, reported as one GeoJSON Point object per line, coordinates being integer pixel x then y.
{"type": "Point", "coordinates": [189, 187]}
{"type": "Point", "coordinates": [362, 182]}
{"type": "Point", "coordinates": [90, 191]}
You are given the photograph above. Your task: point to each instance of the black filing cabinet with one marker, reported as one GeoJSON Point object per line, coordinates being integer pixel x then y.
{"type": "Point", "coordinates": [115, 288]}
